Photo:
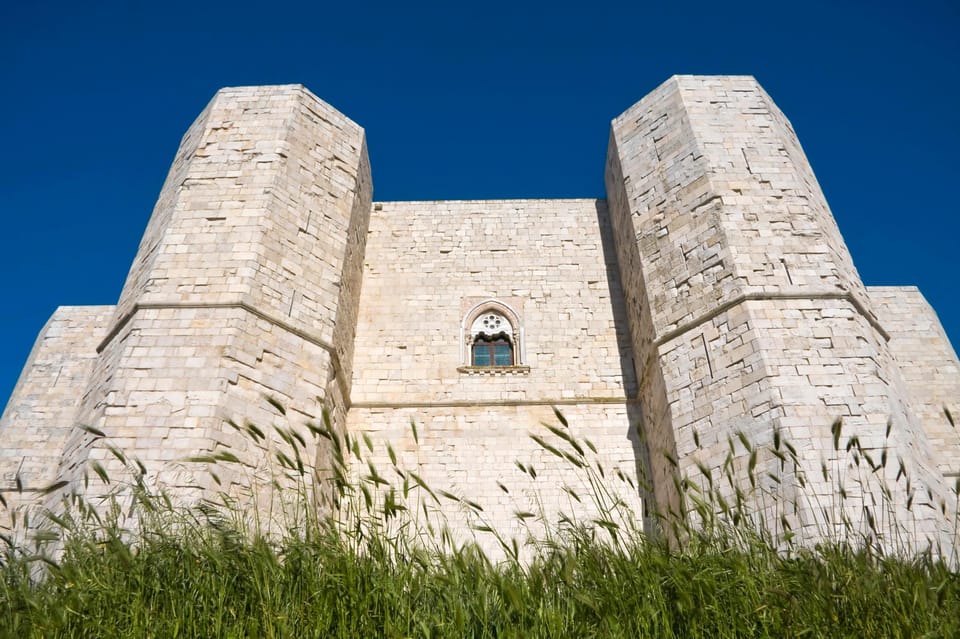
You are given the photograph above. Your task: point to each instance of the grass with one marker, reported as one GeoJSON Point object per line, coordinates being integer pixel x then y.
{"type": "Point", "coordinates": [369, 571]}
{"type": "Point", "coordinates": [216, 583]}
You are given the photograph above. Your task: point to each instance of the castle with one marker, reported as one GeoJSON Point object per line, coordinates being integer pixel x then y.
{"type": "Point", "coordinates": [705, 309]}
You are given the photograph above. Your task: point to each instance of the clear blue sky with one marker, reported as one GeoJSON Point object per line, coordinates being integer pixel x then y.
{"type": "Point", "coordinates": [460, 100]}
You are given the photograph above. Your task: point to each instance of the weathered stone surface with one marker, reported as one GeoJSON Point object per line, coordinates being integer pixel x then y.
{"type": "Point", "coordinates": [928, 364]}
{"type": "Point", "coordinates": [748, 316]}
{"type": "Point", "coordinates": [42, 411]}
{"type": "Point", "coordinates": [235, 294]}
{"type": "Point", "coordinates": [708, 307]}
{"type": "Point", "coordinates": [552, 261]}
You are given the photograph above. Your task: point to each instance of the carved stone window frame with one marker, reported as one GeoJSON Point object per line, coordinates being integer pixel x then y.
{"type": "Point", "coordinates": [515, 331]}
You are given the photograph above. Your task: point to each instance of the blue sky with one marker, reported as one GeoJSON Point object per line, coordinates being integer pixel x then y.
{"type": "Point", "coordinates": [460, 100]}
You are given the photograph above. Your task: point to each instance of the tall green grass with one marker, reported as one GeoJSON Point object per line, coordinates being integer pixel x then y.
{"type": "Point", "coordinates": [382, 564]}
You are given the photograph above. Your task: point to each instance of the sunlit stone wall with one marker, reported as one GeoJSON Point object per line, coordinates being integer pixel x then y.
{"type": "Point", "coordinates": [749, 317]}
{"type": "Point", "coordinates": [691, 326]}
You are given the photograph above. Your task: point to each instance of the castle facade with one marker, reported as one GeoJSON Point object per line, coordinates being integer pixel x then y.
{"type": "Point", "coordinates": [706, 311]}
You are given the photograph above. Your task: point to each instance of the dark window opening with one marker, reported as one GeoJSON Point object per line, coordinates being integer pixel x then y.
{"type": "Point", "coordinates": [492, 351]}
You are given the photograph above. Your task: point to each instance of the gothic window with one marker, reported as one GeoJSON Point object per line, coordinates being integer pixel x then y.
{"type": "Point", "coordinates": [495, 351]}
{"type": "Point", "coordinates": [491, 341]}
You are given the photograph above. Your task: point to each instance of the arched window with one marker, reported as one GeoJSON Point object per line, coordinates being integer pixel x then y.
{"type": "Point", "coordinates": [492, 341]}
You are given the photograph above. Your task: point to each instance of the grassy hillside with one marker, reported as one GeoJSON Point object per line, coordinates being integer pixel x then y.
{"type": "Point", "coordinates": [200, 573]}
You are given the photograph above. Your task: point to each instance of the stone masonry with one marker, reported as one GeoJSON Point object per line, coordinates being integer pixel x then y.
{"type": "Point", "coordinates": [704, 322]}
{"type": "Point", "coordinates": [753, 319]}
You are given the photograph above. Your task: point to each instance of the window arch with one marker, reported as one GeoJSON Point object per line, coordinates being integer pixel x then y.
{"type": "Point", "coordinates": [491, 341]}
{"type": "Point", "coordinates": [492, 336]}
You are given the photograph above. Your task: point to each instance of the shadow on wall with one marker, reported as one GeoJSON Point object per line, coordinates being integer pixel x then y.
{"type": "Point", "coordinates": [627, 368]}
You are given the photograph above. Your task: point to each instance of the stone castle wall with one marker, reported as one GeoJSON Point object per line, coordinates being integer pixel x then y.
{"type": "Point", "coordinates": [233, 297]}
{"type": "Point", "coordinates": [708, 308]}
{"type": "Point", "coordinates": [750, 317]}
{"type": "Point", "coordinates": [928, 364]}
{"type": "Point", "coordinates": [41, 414]}
{"type": "Point", "coordinates": [552, 261]}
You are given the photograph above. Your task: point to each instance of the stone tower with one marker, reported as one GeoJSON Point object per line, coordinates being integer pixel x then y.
{"type": "Point", "coordinates": [246, 285]}
{"type": "Point", "coordinates": [748, 315]}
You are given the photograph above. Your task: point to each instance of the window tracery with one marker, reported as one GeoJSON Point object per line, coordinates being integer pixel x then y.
{"type": "Point", "coordinates": [492, 339]}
